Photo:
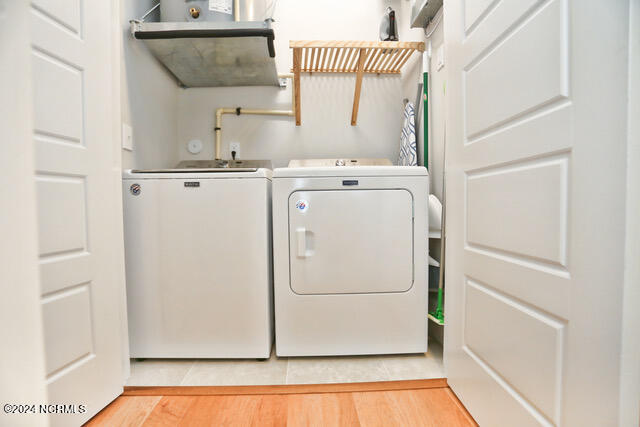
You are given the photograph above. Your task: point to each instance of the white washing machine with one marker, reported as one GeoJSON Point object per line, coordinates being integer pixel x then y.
{"type": "Point", "coordinates": [198, 260]}
{"type": "Point", "coordinates": [350, 257]}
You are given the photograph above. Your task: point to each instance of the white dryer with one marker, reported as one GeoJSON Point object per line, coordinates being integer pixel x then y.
{"type": "Point", "coordinates": [350, 258]}
{"type": "Point", "coordinates": [198, 260]}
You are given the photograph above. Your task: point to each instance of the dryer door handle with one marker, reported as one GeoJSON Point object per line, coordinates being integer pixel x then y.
{"type": "Point", "coordinates": [301, 234]}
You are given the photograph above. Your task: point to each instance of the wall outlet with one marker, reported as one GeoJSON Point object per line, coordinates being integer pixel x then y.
{"type": "Point", "coordinates": [234, 146]}
{"type": "Point", "coordinates": [127, 137]}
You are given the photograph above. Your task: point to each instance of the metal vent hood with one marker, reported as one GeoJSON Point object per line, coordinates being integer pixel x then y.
{"type": "Point", "coordinates": [422, 11]}
{"type": "Point", "coordinates": [209, 54]}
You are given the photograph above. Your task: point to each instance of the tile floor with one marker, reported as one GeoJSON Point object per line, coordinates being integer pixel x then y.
{"type": "Point", "coordinates": [282, 370]}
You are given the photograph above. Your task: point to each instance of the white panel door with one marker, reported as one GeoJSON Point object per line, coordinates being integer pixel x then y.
{"type": "Point", "coordinates": [337, 244]}
{"type": "Point", "coordinates": [78, 244]}
{"type": "Point", "coordinates": [535, 209]}
{"type": "Point", "coordinates": [22, 349]}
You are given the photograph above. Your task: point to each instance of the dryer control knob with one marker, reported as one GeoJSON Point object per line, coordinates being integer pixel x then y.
{"type": "Point", "coordinates": [340, 162]}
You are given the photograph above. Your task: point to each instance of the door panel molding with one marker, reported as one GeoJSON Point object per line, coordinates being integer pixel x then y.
{"type": "Point", "coordinates": [500, 323]}
{"type": "Point", "coordinates": [516, 53]}
{"type": "Point", "coordinates": [535, 191]}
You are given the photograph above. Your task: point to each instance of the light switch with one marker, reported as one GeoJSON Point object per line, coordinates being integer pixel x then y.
{"type": "Point", "coordinates": [127, 137]}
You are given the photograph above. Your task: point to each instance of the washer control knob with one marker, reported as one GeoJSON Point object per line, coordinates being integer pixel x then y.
{"type": "Point", "coordinates": [340, 162]}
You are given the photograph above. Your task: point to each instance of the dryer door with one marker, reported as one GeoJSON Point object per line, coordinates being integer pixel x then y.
{"type": "Point", "coordinates": [351, 241]}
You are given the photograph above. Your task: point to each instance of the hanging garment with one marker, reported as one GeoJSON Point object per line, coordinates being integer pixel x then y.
{"type": "Point", "coordinates": [408, 150]}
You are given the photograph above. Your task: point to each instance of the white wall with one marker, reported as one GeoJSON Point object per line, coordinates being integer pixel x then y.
{"type": "Point", "coordinates": [149, 98]}
{"type": "Point", "coordinates": [326, 100]}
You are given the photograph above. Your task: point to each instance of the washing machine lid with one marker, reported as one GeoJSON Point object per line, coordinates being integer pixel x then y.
{"type": "Point", "coordinates": [319, 171]}
{"type": "Point", "coordinates": [195, 173]}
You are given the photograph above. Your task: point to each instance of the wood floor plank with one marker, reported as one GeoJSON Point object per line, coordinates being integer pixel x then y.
{"type": "Point", "coordinates": [272, 411]}
{"type": "Point", "coordinates": [169, 411]}
{"type": "Point", "coordinates": [461, 407]}
{"type": "Point", "coordinates": [378, 409]}
{"type": "Point", "coordinates": [222, 411]}
{"type": "Point", "coordinates": [320, 410]}
{"type": "Point", "coordinates": [125, 411]}
{"type": "Point", "coordinates": [267, 411]}
{"type": "Point", "coordinates": [429, 408]}
{"type": "Point", "coordinates": [434, 409]}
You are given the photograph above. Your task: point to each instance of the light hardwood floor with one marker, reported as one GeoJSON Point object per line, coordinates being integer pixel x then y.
{"type": "Point", "coordinates": [393, 403]}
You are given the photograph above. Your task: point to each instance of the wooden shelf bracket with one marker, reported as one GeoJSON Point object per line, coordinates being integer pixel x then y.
{"type": "Point", "coordinates": [362, 57]}
{"type": "Point", "coordinates": [297, 62]}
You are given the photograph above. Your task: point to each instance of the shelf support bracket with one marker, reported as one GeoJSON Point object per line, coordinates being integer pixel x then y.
{"type": "Point", "coordinates": [356, 96]}
{"type": "Point", "coordinates": [297, 64]}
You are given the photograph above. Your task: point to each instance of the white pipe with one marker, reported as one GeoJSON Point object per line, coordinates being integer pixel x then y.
{"type": "Point", "coordinates": [256, 112]}
{"type": "Point", "coordinates": [236, 10]}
